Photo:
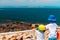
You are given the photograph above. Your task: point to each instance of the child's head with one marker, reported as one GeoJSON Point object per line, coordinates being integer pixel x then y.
{"type": "Point", "coordinates": [52, 18]}
{"type": "Point", "coordinates": [58, 29]}
{"type": "Point", "coordinates": [41, 27]}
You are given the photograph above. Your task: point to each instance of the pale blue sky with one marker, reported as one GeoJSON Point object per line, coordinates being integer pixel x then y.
{"type": "Point", "coordinates": [29, 3]}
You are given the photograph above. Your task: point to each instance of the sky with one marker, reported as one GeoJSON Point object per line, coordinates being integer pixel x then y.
{"type": "Point", "coordinates": [30, 3]}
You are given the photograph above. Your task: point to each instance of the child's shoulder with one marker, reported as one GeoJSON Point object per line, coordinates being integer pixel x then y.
{"type": "Point", "coordinates": [48, 24]}
{"type": "Point", "coordinates": [51, 24]}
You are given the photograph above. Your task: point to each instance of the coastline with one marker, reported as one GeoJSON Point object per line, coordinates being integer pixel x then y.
{"type": "Point", "coordinates": [15, 26]}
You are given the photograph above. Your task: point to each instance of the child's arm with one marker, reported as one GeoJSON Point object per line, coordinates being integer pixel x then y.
{"type": "Point", "coordinates": [46, 35]}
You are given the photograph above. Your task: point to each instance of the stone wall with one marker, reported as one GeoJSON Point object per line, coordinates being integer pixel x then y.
{"type": "Point", "coordinates": [18, 35]}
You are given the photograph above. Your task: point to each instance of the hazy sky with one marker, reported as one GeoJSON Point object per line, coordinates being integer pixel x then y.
{"type": "Point", "coordinates": [30, 3]}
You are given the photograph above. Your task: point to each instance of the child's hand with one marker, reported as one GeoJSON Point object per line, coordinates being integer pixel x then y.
{"type": "Point", "coordinates": [46, 32]}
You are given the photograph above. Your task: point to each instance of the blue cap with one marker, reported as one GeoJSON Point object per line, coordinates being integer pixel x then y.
{"type": "Point", "coordinates": [52, 18]}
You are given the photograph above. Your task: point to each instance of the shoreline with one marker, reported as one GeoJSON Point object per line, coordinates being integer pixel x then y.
{"type": "Point", "coordinates": [10, 26]}
{"type": "Point", "coordinates": [15, 26]}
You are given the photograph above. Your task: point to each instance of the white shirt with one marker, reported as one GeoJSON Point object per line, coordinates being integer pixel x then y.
{"type": "Point", "coordinates": [52, 29]}
{"type": "Point", "coordinates": [40, 36]}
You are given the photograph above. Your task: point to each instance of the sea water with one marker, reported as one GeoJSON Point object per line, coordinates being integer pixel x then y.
{"type": "Point", "coordinates": [32, 15]}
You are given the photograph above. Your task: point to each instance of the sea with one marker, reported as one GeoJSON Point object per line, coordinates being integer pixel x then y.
{"type": "Point", "coordinates": [31, 15]}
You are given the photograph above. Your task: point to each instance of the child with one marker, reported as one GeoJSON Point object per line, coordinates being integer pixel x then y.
{"type": "Point", "coordinates": [40, 32]}
{"type": "Point", "coordinates": [52, 28]}
{"type": "Point", "coordinates": [58, 33]}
